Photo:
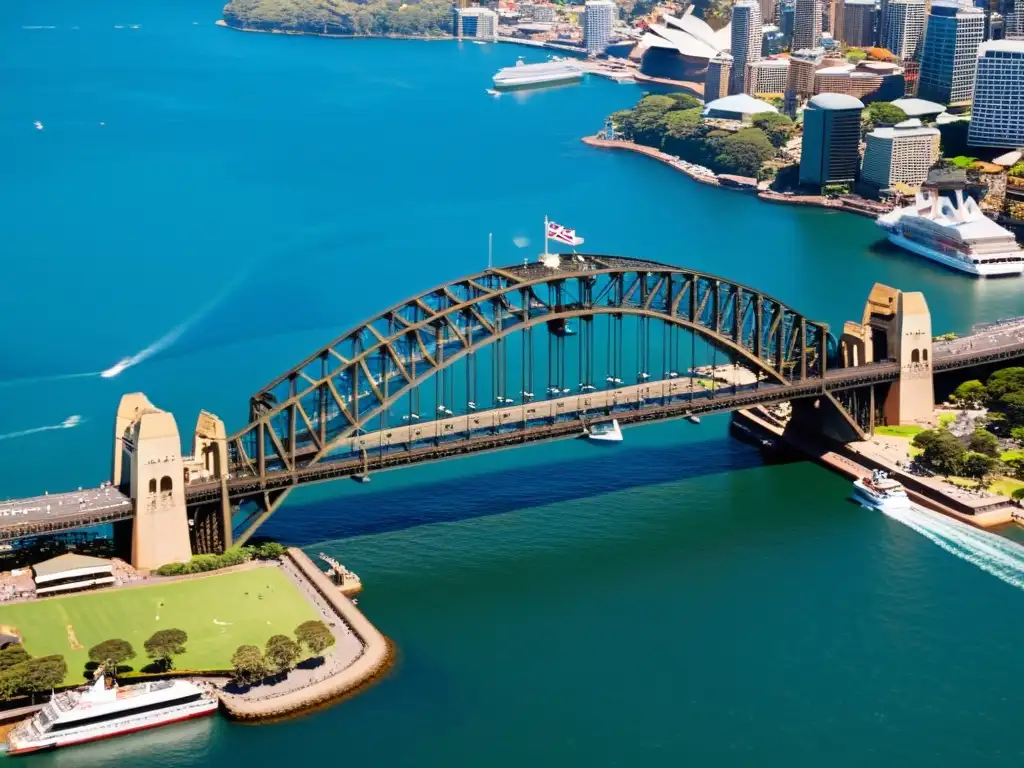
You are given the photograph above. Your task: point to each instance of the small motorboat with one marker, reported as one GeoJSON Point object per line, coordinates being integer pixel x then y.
{"type": "Point", "coordinates": [693, 418]}
{"type": "Point", "coordinates": [605, 432]}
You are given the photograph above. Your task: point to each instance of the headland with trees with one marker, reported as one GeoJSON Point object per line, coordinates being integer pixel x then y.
{"type": "Point", "coordinates": [374, 18]}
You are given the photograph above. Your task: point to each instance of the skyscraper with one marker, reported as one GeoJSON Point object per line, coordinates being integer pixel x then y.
{"type": "Point", "coordinates": [598, 17]}
{"type": "Point", "coordinates": [997, 116]}
{"type": "Point", "coordinates": [901, 154]}
{"type": "Point", "coordinates": [837, 19]}
{"type": "Point", "coordinates": [950, 53]}
{"type": "Point", "coordinates": [904, 27]}
{"type": "Point", "coordinates": [716, 81]}
{"type": "Point", "coordinates": [787, 21]}
{"type": "Point", "coordinates": [767, 11]}
{"type": "Point", "coordinates": [746, 41]}
{"type": "Point", "coordinates": [481, 23]}
{"type": "Point", "coordinates": [831, 143]}
{"type": "Point", "coordinates": [767, 76]}
{"type": "Point", "coordinates": [859, 23]}
{"type": "Point", "coordinates": [807, 24]}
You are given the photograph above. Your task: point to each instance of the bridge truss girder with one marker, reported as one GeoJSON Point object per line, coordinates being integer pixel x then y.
{"type": "Point", "coordinates": [298, 418]}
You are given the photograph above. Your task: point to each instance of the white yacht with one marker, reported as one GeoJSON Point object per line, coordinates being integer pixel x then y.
{"type": "Point", "coordinates": [605, 432]}
{"type": "Point", "coordinates": [551, 72]}
{"type": "Point", "coordinates": [102, 712]}
{"type": "Point", "coordinates": [957, 234]}
{"type": "Point", "coordinates": [881, 492]}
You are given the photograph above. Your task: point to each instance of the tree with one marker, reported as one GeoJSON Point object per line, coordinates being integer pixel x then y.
{"type": "Point", "coordinates": [281, 653]}
{"type": "Point", "coordinates": [248, 664]}
{"type": "Point", "coordinates": [624, 123]}
{"type": "Point", "coordinates": [854, 55]}
{"type": "Point", "coordinates": [13, 654]}
{"type": "Point", "coordinates": [977, 465]}
{"type": "Point", "coordinates": [164, 645]}
{"type": "Point", "coordinates": [685, 101]}
{"type": "Point", "coordinates": [1017, 433]}
{"type": "Point", "coordinates": [778, 128]}
{"type": "Point", "coordinates": [112, 653]}
{"type": "Point", "coordinates": [743, 152]}
{"type": "Point", "coordinates": [647, 115]}
{"type": "Point", "coordinates": [1018, 494]}
{"type": "Point", "coordinates": [270, 550]}
{"type": "Point", "coordinates": [1011, 406]}
{"type": "Point", "coordinates": [884, 113]}
{"type": "Point", "coordinates": [46, 672]}
{"type": "Point", "coordinates": [983, 441]}
{"type": "Point", "coordinates": [970, 394]}
{"type": "Point", "coordinates": [315, 635]}
{"type": "Point", "coordinates": [1003, 382]}
{"type": "Point", "coordinates": [944, 453]}
{"type": "Point", "coordinates": [924, 438]}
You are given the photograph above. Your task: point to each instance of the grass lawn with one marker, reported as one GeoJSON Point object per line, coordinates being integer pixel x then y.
{"type": "Point", "coordinates": [1016, 453]}
{"type": "Point", "coordinates": [908, 430]}
{"type": "Point", "coordinates": [946, 418]}
{"type": "Point", "coordinates": [219, 612]}
{"type": "Point", "coordinates": [1005, 486]}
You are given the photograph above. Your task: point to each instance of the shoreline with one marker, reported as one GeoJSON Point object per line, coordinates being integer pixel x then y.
{"type": "Point", "coordinates": [715, 180]}
{"type": "Point", "coordinates": [298, 32]}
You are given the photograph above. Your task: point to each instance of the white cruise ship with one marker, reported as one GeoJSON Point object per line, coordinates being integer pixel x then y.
{"type": "Point", "coordinates": [957, 235]}
{"type": "Point", "coordinates": [551, 72]}
{"type": "Point", "coordinates": [98, 712]}
{"type": "Point", "coordinates": [881, 492]}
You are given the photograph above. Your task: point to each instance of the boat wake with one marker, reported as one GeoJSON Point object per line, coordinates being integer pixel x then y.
{"type": "Point", "coordinates": [68, 423]}
{"type": "Point", "coordinates": [993, 554]}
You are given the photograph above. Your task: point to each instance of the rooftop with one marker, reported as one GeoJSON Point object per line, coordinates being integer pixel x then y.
{"type": "Point", "coordinates": [918, 107]}
{"type": "Point", "coordinates": [68, 562]}
{"type": "Point", "coordinates": [1010, 46]}
{"type": "Point", "coordinates": [906, 129]}
{"type": "Point", "coordinates": [836, 101]}
{"type": "Point", "coordinates": [739, 103]}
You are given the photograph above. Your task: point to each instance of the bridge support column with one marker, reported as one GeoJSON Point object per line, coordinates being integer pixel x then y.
{"type": "Point", "coordinates": [912, 398]}
{"type": "Point", "coordinates": [152, 450]}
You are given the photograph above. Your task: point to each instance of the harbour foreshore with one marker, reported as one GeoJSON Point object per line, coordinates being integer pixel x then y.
{"type": "Point", "coordinates": [706, 176]}
{"type": "Point", "coordinates": [226, 25]}
{"type": "Point", "coordinates": [854, 464]}
{"type": "Point", "coordinates": [372, 661]}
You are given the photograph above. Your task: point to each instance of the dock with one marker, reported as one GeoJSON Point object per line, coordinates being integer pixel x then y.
{"type": "Point", "coordinates": [341, 576]}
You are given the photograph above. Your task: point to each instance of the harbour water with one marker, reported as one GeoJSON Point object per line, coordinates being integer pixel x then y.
{"type": "Point", "coordinates": [203, 208]}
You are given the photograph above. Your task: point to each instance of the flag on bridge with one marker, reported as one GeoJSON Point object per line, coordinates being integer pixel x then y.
{"type": "Point", "coordinates": [563, 234]}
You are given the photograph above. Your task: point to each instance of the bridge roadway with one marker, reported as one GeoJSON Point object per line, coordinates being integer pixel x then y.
{"type": "Point", "coordinates": [55, 512]}
{"type": "Point", "coordinates": [544, 420]}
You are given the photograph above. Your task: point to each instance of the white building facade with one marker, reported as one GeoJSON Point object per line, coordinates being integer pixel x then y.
{"type": "Point", "coordinates": [899, 155]}
{"type": "Point", "coordinates": [747, 35]}
{"type": "Point", "coordinates": [807, 17]}
{"type": "Point", "coordinates": [903, 25]}
{"type": "Point", "coordinates": [950, 53]}
{"type": "Point", "coordinates": [767, 76]}
{"type": "Point", "coordinates": [997, 116]}
{"type": "Point", "coordinates": [598, 17]}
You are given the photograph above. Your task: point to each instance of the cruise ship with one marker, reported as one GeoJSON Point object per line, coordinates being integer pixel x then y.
{"type": "Point", "coordinates": [552, 72]}
{"type": "Point", "coordinates": [101, 712]}
{"type": "Point", "coordinates": [954, 233]}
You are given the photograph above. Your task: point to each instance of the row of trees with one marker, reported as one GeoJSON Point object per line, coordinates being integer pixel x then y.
{"type": "Point", "coordinates": [430, 18]}
{"type": "Point", "coordinates": [673, 124]}
{"type": "Point", "coordinates": [271, 550]}
{"type": "Point", "coordinates": [976, 457]}
{"type": "Point", "coordinates": [23, 675]}
{"type": "Point", "coordinates": [161, 648]}
{"type": "Point", "coordinates": [280, 654]}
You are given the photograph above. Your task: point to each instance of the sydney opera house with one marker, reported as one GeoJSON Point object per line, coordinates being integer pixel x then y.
{"type": "Point", "coordinates": [680, 48]}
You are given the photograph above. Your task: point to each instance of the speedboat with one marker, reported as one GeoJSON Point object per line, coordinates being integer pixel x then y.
{"type": "Point", "coordinates": [881, 492]}
{"type": "Point", "coordinates": [605, 432]}
{"type": "Point", "coordinates": [693, 418]}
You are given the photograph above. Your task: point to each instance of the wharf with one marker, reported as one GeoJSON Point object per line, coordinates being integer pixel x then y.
{"type": "Point", "coordinates": [854, 461]}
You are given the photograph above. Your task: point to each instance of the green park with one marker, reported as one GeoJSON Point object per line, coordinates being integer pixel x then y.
{"type": "Point", "coordinates": [217, 613]}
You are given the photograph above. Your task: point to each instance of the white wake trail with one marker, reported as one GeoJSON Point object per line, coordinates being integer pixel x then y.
{"type": "Point", "coordinates": [168, 338]}
{"type": "Point", "coordinates": [68, 423]}
{"type": "Point", "coordinates": [993, 554]}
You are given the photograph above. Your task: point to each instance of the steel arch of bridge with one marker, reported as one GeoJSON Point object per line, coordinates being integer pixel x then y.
{"type": "Point", "coordinates": [297, 419]}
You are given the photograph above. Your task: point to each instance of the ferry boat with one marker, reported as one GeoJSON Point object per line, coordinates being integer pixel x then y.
{"type": "Point", "coordinates": [881, 492]}
{"type": "Point", "coordinates": [554, 72]}
{"type": "Point", "coordinates": [954, 233]}
{"type": "Point", "coordinates": [605, 432]}
{"type": "Point", "coordinates": [102, 712]}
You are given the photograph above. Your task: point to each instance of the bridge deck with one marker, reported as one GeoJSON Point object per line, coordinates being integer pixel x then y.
{"type": "Point", "coordinates": [57, 512]}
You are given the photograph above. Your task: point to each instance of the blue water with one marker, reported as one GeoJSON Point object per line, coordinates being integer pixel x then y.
{"type": "Point", "coordinates": [216, 205]}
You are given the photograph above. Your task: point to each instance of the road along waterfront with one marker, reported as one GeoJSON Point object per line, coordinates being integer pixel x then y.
{"type": "Point", "coordinates": [779, 622]}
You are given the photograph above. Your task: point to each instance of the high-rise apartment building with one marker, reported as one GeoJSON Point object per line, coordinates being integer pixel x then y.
{"type": "Point", "coordinates": [800, 79]}
{"type": "Point", "coordinates": [950, 53]}
{"type": "Point", "coordinates": [787, 21]}
{"type": "Point", "coordinates": [831, 141]}
{"type": "Point", "coordinates": [901, 154]}
{"type": "Point", "coordinates": [767, 76]}
{"type": "Point", "coordinates": [997, 115]}
{"type": "Point", "coordinates": [479, 23]}
{"type": "Point", "coordinates": [598, 17]}
{"type": "Point", "coordinates": [807, 24]}
{"type": "Point", "coordinates": [716, 80]}
{"type": "Point", "coordinates": [904, 27]}
{"type": "Point", "coordinates": [767, 11]}
{"type": "Point", "coordinates": [858, 23]}
{"type": "Point", "coordinates": [746, 41]}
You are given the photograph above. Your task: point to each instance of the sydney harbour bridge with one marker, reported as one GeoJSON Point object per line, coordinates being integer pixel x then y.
{"type": "Point", "coordinates": [515, 355]}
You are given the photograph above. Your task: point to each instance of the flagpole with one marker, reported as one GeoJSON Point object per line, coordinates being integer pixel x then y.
{"type": "Point", "coordinates": [545, 237]}
{"type": "Point", "coordinates": [490, 249]}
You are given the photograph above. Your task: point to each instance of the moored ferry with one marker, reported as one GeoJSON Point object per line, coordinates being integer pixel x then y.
{"type": "Point", "coordinates": [881, 492]}
{"type": "Point", "coordinates": [957, 234]}
{"type": "Point", "coordinates": [605, 432]}
{"type": "Point", "coordinates": [102, 712]}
